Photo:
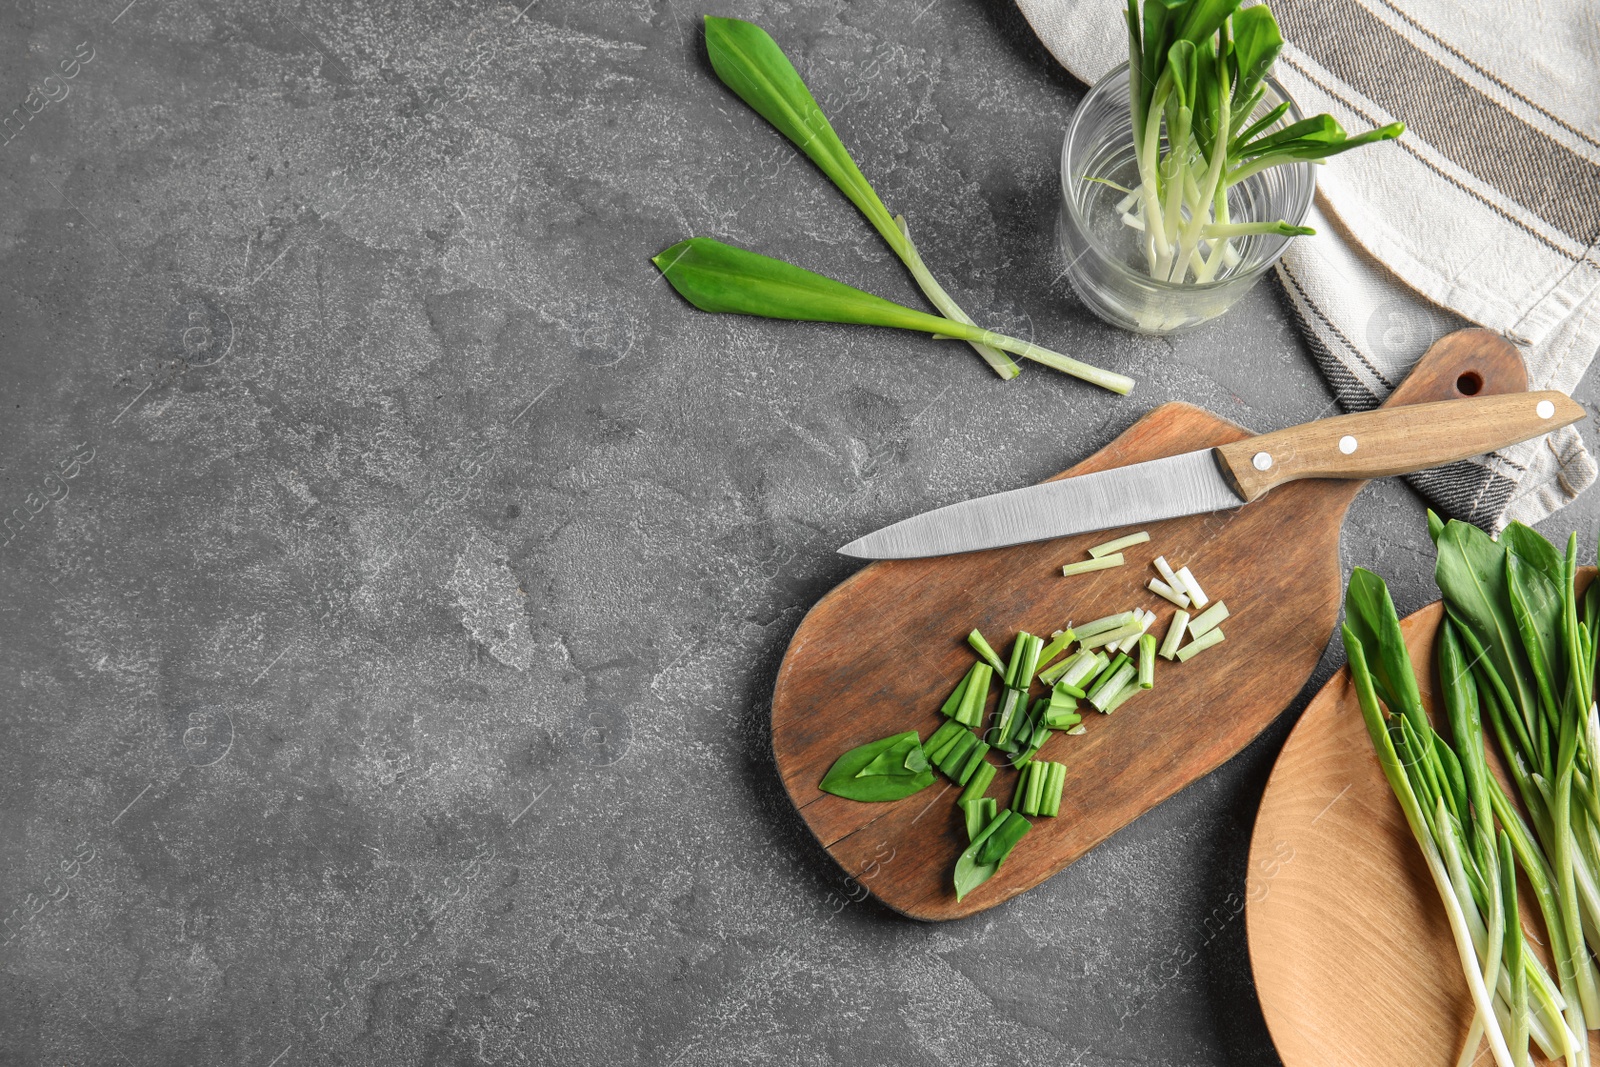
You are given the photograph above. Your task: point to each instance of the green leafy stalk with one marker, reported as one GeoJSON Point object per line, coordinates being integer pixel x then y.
{"type": "Point", "coordinates": [1197, 92]}
{"type": "Point", "coordinates": [750, 63]}
{"type": "Point", "coordinates": [722, 278]}
{"type": "Point", "coordinates": [1421, 829]}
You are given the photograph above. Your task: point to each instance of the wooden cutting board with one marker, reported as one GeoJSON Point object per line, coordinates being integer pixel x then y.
{"type": "Point", "coordinates": [1353, 958]}
{"type": "Point", "coordinates": [879, 654]}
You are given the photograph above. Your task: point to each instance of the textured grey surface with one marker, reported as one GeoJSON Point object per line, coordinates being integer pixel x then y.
{"type": "Point", "coordinates": [402, 570]}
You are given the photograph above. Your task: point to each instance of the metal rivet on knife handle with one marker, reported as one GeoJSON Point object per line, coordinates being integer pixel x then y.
{"type": "Point", "coordinates": [1261, 461]}
{"type": "Point", "coordinates": [1393, 440]}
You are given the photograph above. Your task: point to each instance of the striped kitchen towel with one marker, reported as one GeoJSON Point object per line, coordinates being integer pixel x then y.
{"type": "Point", "coordinates": [1486, 212]}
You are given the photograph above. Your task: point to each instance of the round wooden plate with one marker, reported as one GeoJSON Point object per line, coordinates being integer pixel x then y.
{"type": "Point", "coordinates": [1353, 958]}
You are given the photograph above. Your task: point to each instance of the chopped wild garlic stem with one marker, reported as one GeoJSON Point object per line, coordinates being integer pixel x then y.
{"type": "Point", "coordinates": [1109, 689]}
{"type": "Point", "coordinates": [1147, 661]}
{"type": "Point", "coordinates": [1030, 662]}
{"type": "Point", "coordinates": [1192, 587]}
{"type": "Point", "coordinates": [1019, 650]}
{"type": "Point", "coordinates": [984, 649]}
{"type": "Point", "coordinates": [1162, 589]}
{"type": "Point", "coordinates": [1098, 686]}
{"type": "Point", "coordinates": [1052, 674]}
{"type": "Point", "coordinates": [1100, 626]}
{"type": "Point", "coordinates": [1119, 544]}
{"type": "Point", "coordinates": [1058, 644]}
{"type": "Point", "coordinates": [1013, 702]}
{"type": "Point", "coordinates": [1128, 690]}
{"type": "Point", "coordinates": [1079, 668]}
{"type": "Point", "coordinates": [1111, 638]}
{"type": "Point", "coordinates": [1085, 566]}
{"type": "Point", "coordinates": [1145, 619]}
{"type": "Point", "coordinates": [1167, 574]}
{"type": "Point", "coordinates": [1055, 777]}
{"type": "Point", "coordinates": [1200, 644]}
{"type": "Point", "coordinates": [1180, 622]}
{"type": "Point", "coordinates": [952, 706]}
{"type": "Point", "coordinates": [974, 760]}
{"type": "Point", "coordinates": [1037, 772]}
{"type": "Point", "coordinates": [978, 784]}
{"type": "Point", "coordinates": [936, 746]}
{"type": "Point", "coordinates": [1076, 730]}
{"type": "Point", "coordinates": [1208, 619]}
{"type": "Point", "coordinates": [977, 695]}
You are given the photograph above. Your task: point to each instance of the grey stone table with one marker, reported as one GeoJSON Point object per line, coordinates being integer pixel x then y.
{"type": "Point", "coordinates": [397, 570]}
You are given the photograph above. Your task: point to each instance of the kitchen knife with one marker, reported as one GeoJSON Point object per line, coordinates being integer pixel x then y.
{"type": "Point", "coordinates": [1368, 444]}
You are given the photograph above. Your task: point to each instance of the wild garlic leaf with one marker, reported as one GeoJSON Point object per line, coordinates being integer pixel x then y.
{"type": "Point", "coordinates": [970, 874]}
{"type": "Point", "coordinates": [892, 760]}
{"type": "Point", "coordinates": [998, 845]}
{"type": "Point", "coordinates": [1256, 44]}
{"type": "Point", "coordinates": [750, 63]}
{"type": "Point", "coordinates": [841, 778]}
{"type": "Point", "coordinates": [722, 278]}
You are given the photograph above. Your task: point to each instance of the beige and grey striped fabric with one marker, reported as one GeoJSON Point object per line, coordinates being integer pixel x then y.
{"type": "Point", "coordinates": [1487, 211]}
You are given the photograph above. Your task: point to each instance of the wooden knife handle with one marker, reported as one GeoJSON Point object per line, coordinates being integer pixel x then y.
{"type": "Point", "coordinates": [1393, 440]}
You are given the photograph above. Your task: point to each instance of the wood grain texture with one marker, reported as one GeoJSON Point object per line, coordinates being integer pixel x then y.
{"type": "Point", "coordinates": [1395, 440]}
{"type": "Point", "coordinates": [879, 653]}
{"type": "Point", "coordinates": [1352, 954]}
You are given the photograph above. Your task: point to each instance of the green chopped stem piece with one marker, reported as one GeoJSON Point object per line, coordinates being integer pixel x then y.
{"type": "Point", "coordinates": [1103, 563]}
{"type": "Point", "coordinates": [1083, 667]}
{"type": "Point", "coordinates": [1208, 619]}
{"type": "Point", "coordinates": [978, 784]}
{"type": "Point", "coordinates": [937, 741]}
{"type": "Point", "coordinates": [1107, 690]}
{"type": "Point", "coordinates": [970, 874]}
{"type": "Point", "coordinates": [1013, 703]}
{"type": "Point", "coordinates": [973, 762]}
{"type": "Point", "coordinates": [1119, 544]}
{"type": "Point", "coordinates": [986, 651]}
{"type": "Point", "coordinates": [1058, 644]}
{"type": "Point", "coordinates": [1064, 696]}
{"type": "Point", "coordinates": [1106, 674]}
{"type": "Point", "coordinates": [998, 845]}
{"type": "Point", "coordinates": [1200, 644]}
{"type": "Point", "coordinates": [1175, 631]}
{"type": "Point", "coordinates": [980, 812]}
{"type": "Point", "coordinates": [955, 757]}
{"type": "Point", "coordinates": [1050, 804]}
{"type": "Point", "coordinates": [1109, 622]}
{"type": "Point", "coordinates": [1147, 661]}
{"type": "Point", "coordinates": [952, 703]}
{"type": "Point", "coordinates": [1037, 773]}
{"type": "Point", "coordinates": [1019, 648]}
{"type": "Point", "coordinates": [1122, 694]}
{"type": "Point", "coordinates": [943, 748]}
{"type": "Point", "coordinates": [1022, 789]}
{"type": "Point", "coordinates": [1132, 628]}
{"type": "Point", "coordinates": [1030, 662]}
{"type": "Point", "coordinates": [970, 713]}
{"type": "Point", "coordinates": [1052, 674]}
{"type": "Point", "coordinates": [1062, 719]}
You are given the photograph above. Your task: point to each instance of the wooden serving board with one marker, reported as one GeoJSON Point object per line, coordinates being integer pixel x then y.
{"type": "Point", "coordinates": [1353, 958]}
{"type": "Point", "coordinates": [879, 654]}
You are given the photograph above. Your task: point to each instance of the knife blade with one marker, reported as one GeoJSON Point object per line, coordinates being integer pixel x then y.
{"type": "Point", "coordinates": [1369, 444]}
